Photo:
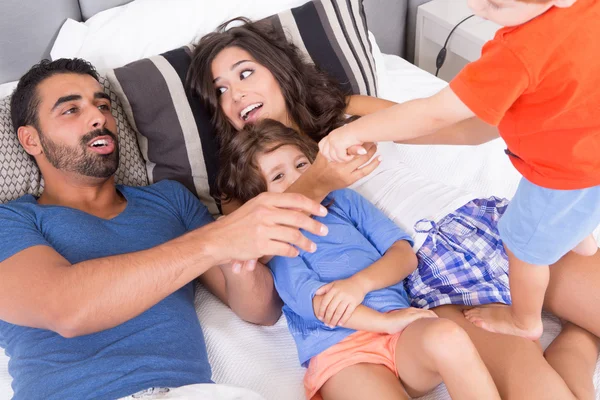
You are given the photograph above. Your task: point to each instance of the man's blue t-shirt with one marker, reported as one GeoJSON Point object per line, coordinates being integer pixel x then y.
{"type": "Point", "coordinates": [359, 235]}
{"type": "Point", "coordinates": [162, 347]}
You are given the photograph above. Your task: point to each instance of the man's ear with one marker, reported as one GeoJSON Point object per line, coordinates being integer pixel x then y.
{"type": "Point", "coordinates": [30, 140]}
{"type": "Point", "coordinates": [564, 3]}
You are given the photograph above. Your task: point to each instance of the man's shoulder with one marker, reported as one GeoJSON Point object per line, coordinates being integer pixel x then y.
{"type": "Point", "coordinates": [165, 188]}
{"type": "Point", "coordinates": [26, 204]}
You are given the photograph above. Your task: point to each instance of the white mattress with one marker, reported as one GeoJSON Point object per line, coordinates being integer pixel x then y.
{"type": "Point", "coordinates": [413, 182]}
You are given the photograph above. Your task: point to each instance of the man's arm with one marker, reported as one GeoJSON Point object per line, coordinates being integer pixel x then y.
{"type": "Point", "coordinates": [41, 289]}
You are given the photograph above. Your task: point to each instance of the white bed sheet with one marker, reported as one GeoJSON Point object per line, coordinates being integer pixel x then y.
{"type": "Point", "coordinates": [264, 359]}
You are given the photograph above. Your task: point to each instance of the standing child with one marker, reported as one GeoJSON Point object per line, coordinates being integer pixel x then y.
{"type": "Point", "coordinates": [345, 303]}
{"type": "Point", "coordinates": [537, 81]}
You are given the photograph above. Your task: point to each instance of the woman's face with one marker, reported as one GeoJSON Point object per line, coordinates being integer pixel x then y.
{"type": "Point", "coordinates": [247, 90]}
{"type": "Point", "coordinates": [280, 168]}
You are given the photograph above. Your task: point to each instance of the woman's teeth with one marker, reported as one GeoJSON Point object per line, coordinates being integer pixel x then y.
{"type": "Point", "coordinates": [246, 111]}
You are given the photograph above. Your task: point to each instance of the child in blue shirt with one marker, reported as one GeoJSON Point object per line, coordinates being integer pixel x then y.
{"type": "Point", "coordinates": [345, 303]}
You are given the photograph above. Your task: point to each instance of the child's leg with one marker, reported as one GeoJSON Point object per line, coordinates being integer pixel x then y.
{"type": "Point", "coordinates": [539, 227]}
{"type": "Point", "coordinates": [430, 351]}
{"type": "Point", "coordinates": [364, 381]}
{"type": "Point", "coordinates": [573, 354]}
{"type": "Point", "coordinates": [588, 247]}
{"type": "Point", "coordinates": [528, 285]}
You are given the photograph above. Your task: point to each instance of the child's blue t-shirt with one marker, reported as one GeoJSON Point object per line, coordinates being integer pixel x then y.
{"type": "Point", "coordinates": [162, 347]}
{"type": "Point", "coordinates": [359, 235]}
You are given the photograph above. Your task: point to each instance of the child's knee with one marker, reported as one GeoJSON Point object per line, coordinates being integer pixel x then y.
{"type": "Point", "coordinates": [445, 339]}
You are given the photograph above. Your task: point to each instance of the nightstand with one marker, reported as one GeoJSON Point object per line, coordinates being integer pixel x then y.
{"type": "Point", "coordinates": [435, 20]}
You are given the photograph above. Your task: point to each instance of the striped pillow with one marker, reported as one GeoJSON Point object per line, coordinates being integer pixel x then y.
{"type": "Point", "coordinates": [174, 129]}
{"type": "Point", "coordinates": [334, 35]}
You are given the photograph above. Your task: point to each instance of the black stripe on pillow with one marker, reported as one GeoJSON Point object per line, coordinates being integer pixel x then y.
{"type": "Point", "coordinates": [312, 30]}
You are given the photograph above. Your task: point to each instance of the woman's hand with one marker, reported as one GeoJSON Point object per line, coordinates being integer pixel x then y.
{"type": "Point", "coordinates": [397, 320]}
{"type": "Point", "coordinates": [340, 299]}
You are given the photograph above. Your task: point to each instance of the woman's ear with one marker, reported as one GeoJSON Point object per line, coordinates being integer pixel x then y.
{"type": "Point", "coordinates": [30, 140]}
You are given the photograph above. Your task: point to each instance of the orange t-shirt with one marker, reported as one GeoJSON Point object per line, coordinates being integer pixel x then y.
{"type": "Point", "coordinates": [540, 84]}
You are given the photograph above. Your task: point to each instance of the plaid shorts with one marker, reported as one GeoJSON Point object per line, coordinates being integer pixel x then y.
{"type": "Point", "coordinates": [462, 260]}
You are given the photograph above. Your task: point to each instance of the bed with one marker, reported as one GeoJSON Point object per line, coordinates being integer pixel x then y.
{"type": "Point", "coordinates": [264, 358]}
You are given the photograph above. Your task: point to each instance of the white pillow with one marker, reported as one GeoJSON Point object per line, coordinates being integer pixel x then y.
{"type": "Point", "coordinates": [145, 28]}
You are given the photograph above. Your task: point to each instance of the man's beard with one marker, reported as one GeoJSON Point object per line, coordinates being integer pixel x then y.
{"type": "Point", "coordinates": [79, 159]}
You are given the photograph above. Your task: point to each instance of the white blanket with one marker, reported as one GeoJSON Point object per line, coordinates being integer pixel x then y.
{"type": "Point", "coordinates": [412, 183]}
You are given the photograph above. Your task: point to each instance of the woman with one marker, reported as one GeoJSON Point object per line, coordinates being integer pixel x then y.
{"type": "Point", "coordinates": [248, 73]}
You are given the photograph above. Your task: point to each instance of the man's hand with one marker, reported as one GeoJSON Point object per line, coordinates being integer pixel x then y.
{"type": "Point", "coordinates": [340, 299]}
{"type": "Point", "coordinates": [341, 144]}
{"type": "Point", "coordinates": [397, 320]}
{"type": "Point", "coordinates": [266, 225]}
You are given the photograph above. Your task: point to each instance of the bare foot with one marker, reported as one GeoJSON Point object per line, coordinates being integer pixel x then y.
{"type": "Point", "coordinates": [501, 320]}
{"type": "Point", "coordinates": [588, 247]}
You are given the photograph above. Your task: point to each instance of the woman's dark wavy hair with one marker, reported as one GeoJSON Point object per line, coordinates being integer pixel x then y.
{"type": "Point", "coordinates": [239, 173]}
{"type": "Point", "coordinates": [314, 101]}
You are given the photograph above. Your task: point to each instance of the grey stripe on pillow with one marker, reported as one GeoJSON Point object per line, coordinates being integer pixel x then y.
{"type": "Point", "coordinates": [189, 129]}
{"type": "Point", "coordinates": [341, 47]}
{"type": "Point", "coordinates": [346, 52]}
{"type": "Point", "coordinates": [169, 126]}
{"type": "Point", "coordinates": [363, 45]}
{"type": "Point", "coordinates": [351, 45]}
{"type": "Point", "coordinates": [142, 140]}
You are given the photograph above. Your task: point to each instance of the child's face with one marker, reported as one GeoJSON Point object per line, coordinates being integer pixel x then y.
{"type": "Point", "coordinates": [510, 12]}
{"type": "Point", "coordinates": [282, 167]}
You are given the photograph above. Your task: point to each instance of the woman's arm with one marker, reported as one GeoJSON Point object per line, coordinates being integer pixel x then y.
{"type": "Point", "coordinates": [363, 105]}
{"type": "Point", "coordinates": [323, 177]}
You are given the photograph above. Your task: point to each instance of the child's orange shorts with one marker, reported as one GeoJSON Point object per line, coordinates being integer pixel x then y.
{"type": "Point", "coordinates": [360, 347]}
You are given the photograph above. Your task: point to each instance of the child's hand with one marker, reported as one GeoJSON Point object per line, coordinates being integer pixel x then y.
{"type": "Point", "coordinates": [332, 176]}
{"type": "Point", "coordinates": [340, 299]}
{"type": "Point", "coordinates": [397, 320]}
{"type": "Point", "coordinates": [335, 146]}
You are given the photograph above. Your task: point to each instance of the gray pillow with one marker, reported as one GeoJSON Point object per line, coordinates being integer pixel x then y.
{"type": "Point", "coordinates": [19, 174]}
